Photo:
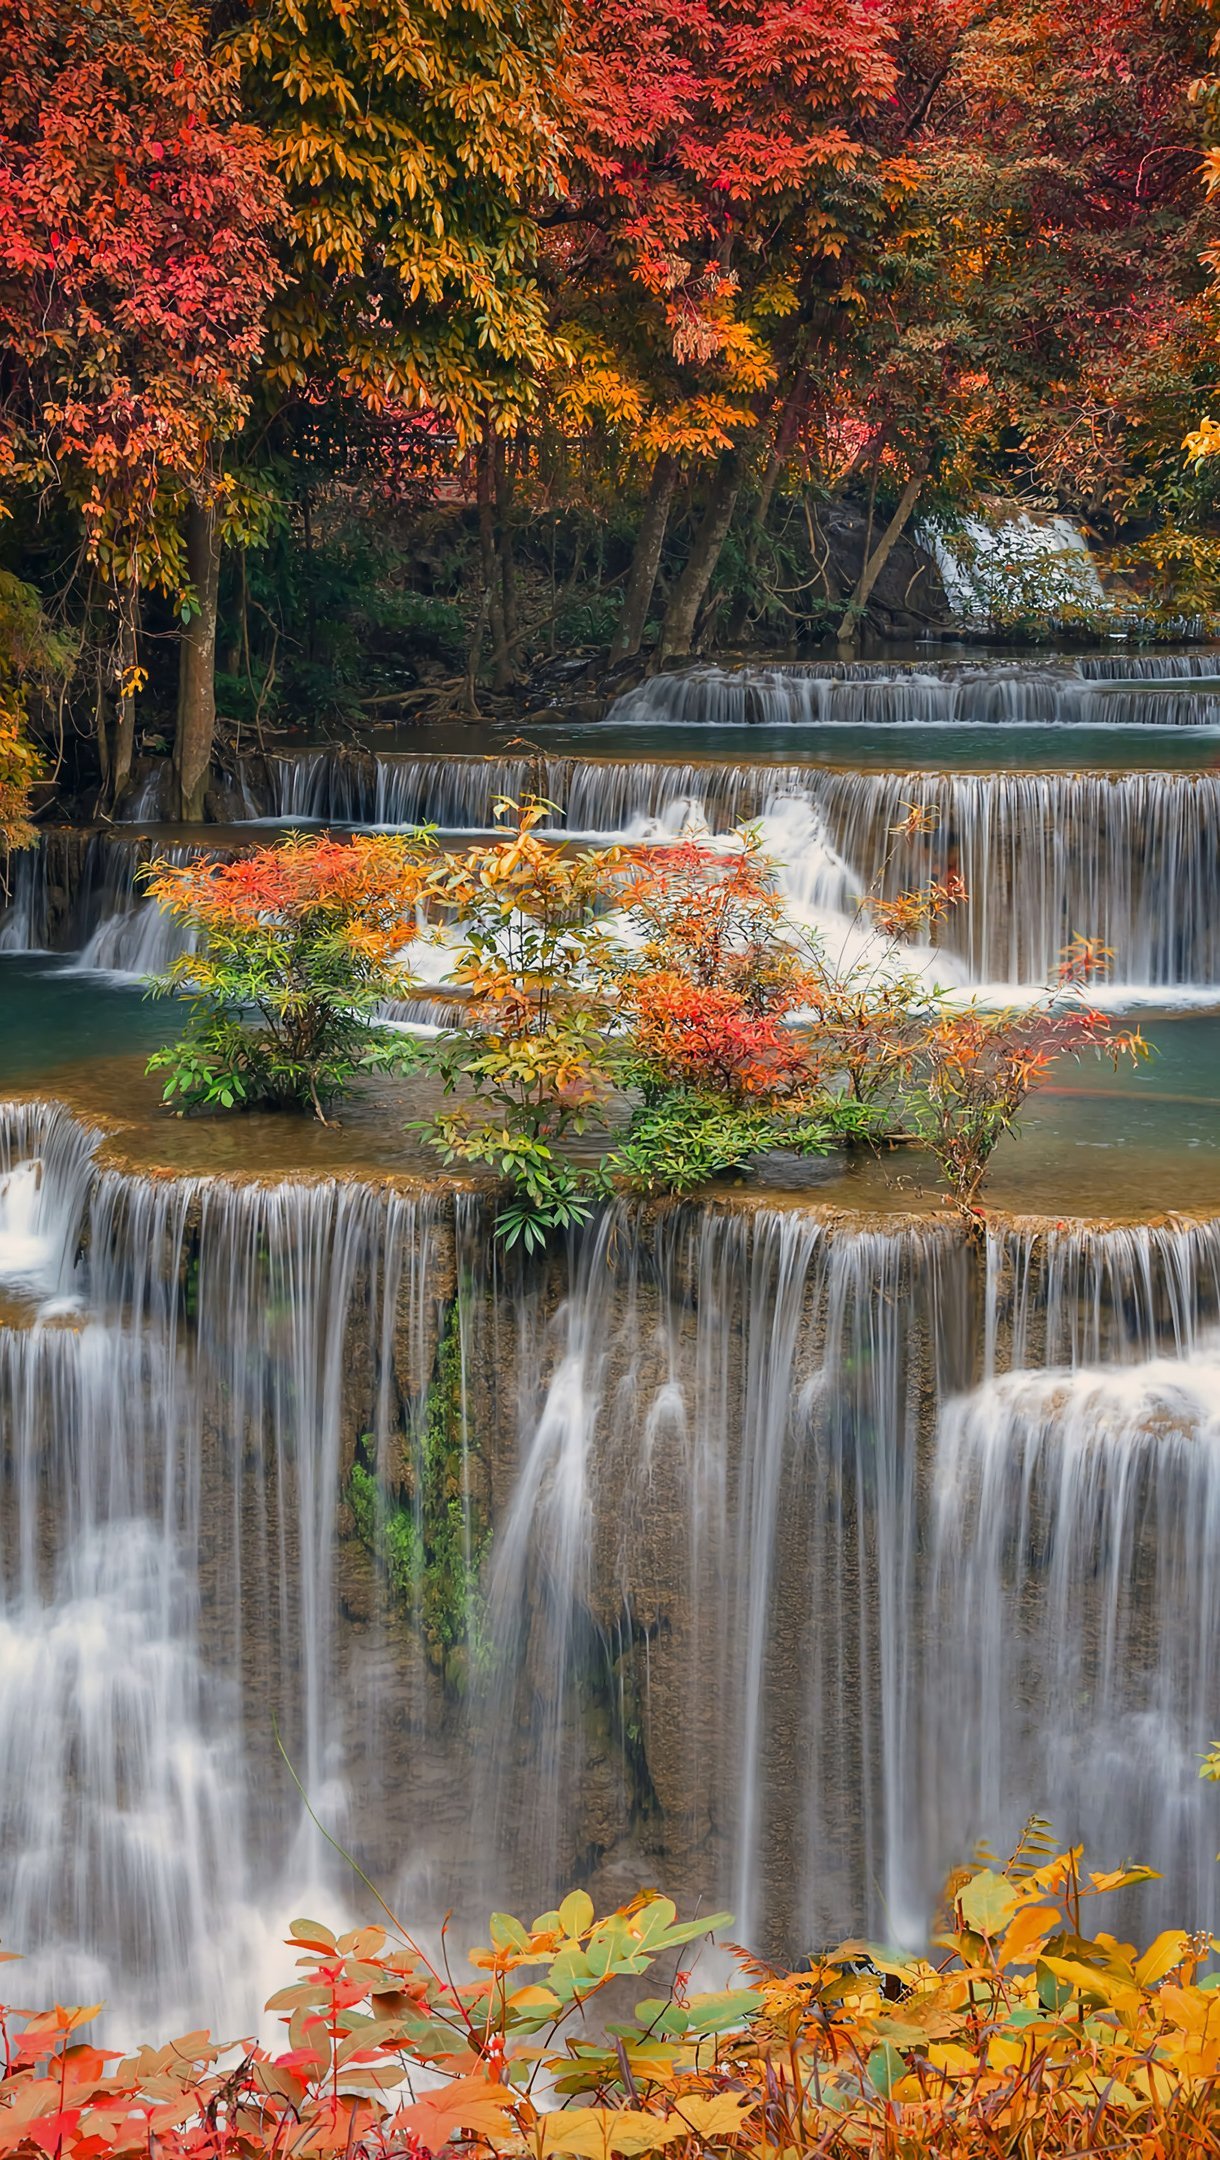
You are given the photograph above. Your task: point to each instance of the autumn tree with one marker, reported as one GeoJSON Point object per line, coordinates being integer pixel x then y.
{"type": "Point", "coordinates": [134, 275]}
{"type": "Point", "coordinates": [293, 952]}
{"type": "Point", "coordinates": [1041, 327]}
{"type": "Point", "coordinates": [711, 141]}
{"type": "Point", "coordinates": [414, 140]}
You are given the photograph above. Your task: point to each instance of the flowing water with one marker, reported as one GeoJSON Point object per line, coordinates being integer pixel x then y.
{"type": "Point", "coordinates": [1129, 858]}
{"type": "Point", "coordinates": [776, 1547]}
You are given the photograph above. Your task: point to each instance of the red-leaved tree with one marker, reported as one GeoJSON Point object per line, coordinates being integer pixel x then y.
{"type": "Point", "coordinates": [135, 268]}
{"type": "Point", "coordinates": [708, 138]}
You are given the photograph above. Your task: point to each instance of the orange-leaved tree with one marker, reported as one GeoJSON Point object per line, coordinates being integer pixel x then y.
{"type": "Point", "coordinates": [715, 147]}
{"type": "Point", "coordinates": [291, 951]}
{"type": "Point", "coordinates": [711, 978]}
{"type": "Point", "coordinates": [977, 1066]}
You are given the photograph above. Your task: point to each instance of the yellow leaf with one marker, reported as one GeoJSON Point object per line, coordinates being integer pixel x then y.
{"type": "Point", "coordinates": [601, 2133]}
{"type": "Point", "coordinates": [1102, 1986]}
{"type": "Point", "coordinates": [1190, 2009]}
{"type": "Point", "coordinates": [712, 2115]}
{"type": "Point", "coordinates": [947, 2055]}
{"type": "Point", "coordinates": [1031, 1924]}
{"type": "Point", "coordinates": [576, 1912]}
{"type": "Point", "coordinates": [534, 1998]}
{"type": "Point", "coordinates": [1161, 1956]}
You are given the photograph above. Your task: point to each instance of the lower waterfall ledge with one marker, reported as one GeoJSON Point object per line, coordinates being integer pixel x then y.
{"type": "Point", "coordinates": [370, 1147]}
{"type": "Point", "coordinates": [737, 1482]}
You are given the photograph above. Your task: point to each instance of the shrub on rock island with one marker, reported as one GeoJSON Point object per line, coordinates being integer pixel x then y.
{"type": "Point", "coordinates": [528, 1070]}
{"type": "Point", "coordinates": [975, 1067]}
{"type": "Point", "coordinates": [293, 950]}
{"type": "Point", "coordinates": [1022, 2033]}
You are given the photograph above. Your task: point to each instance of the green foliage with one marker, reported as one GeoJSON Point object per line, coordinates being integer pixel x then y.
{"type": "Point", "coordinates": [590, 620]}
{"type": "Point", "coordinates": [431, 1538]}
{"type": "Point", "coordinates": [296, 949]}
{"type": "Point", "coordinates": [681, 1141]}
{"type": "Point", "coordinates": [35, 659]}
{"type": "Point", "coordinates": [388, 1529]}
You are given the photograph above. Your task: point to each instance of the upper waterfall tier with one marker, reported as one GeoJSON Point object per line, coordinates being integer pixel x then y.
{"type": "Point", "coordinates": [1148, 690]}
{"type": "Point", "coordinates": [1133, 859]}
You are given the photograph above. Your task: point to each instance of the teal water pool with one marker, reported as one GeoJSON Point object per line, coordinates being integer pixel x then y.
{"type": "Point", "coordinates": [1095, 1142]}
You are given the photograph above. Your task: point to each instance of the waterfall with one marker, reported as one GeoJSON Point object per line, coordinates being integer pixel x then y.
{"type": "Point", "coordinates": [708, 1536]}
{"type": "Point", "coordinates": [1082, 1296]}
{"type": "Point", "coordinates": [174, 1410]}
{"type": "Point", "coordinates": [1073, 1591]}
{"type": "Point", "coordinates": [1128, 858]}
{"type": "Point", "coordinates": [23, 922]}
{"type": "Point", "coordinates": [806, 1551]}
{"type": "Point", "coordinates": [1158, 690]}
{"type": "Point", "coordinates": [1150, 667]}
{"type": "Point", "coordinates": [80, 893]}
{"type": "Point", "coordinates": [1015, 563]}
{"type": "Point", "coordinates": [133, 943]}
{"type": "Point", "coordinates": [459, 794]}
{"type": "Point", "coordinates": [1073, 1611]}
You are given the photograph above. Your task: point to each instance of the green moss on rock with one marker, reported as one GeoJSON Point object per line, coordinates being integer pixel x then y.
{"type": "Point", "coordinates": [431, 1536]}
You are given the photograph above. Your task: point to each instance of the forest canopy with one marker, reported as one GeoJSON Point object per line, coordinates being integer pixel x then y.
{"type": "Point", "coordinates": [386, 356]}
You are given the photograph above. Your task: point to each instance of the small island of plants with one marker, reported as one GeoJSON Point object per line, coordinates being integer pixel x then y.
{"type": "Point", "coordinates": [662, 997]}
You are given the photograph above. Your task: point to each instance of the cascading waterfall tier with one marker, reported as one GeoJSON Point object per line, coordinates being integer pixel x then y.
{"type": "Point", "coordinates": [79, 892]}
{"type": "Point", "coordinates": [775, 1535]}
{"type": "Point", "coordinates": [176, 1399]}
{"type": "Point", "coordinates": [1151, 690]}
{"type": "Point", "coordinates": [1132, 859]}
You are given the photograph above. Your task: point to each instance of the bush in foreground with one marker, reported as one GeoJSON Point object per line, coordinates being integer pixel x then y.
{"type": "Point", "coordinates": [1025, 2035]}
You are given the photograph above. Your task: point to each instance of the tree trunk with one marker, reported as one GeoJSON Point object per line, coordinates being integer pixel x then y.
{"type": "Point", "coordinates": [492, 611]}
{"type": "Point", "coordinates": [646, 561]}
{"type": "Point", "coordinates": [875, 563]}
{"type": "Point", "coordinates": [785, 436]}
{"type": "Point", "coordinates": [504, 541]}
{"type": "Point", "coordinates": [678, 629]}
{"type": "Point", "coordinates": [232, 651]}
{"type": "Point", "coordinates": [782, 441]}
{"type": "Point", "coordinates": [124, 693]}
{"type": "Point", "coordinates": [197, 665]}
